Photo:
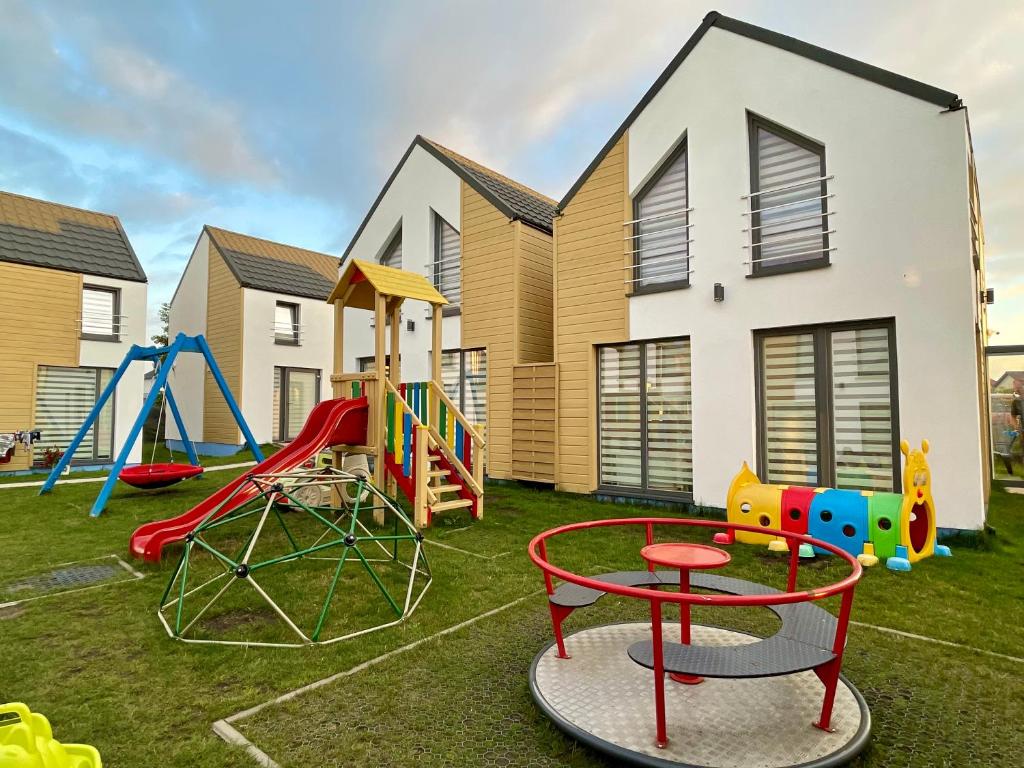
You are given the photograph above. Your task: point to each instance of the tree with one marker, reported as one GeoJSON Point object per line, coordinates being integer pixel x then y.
{"type": "Point", "coordinates": [161, 339]}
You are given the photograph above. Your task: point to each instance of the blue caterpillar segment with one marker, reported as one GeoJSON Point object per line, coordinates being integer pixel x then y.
{"type": "Point", "coordinates": [840, 518]}
{"type": "Point", "coordinates": [896, 528]}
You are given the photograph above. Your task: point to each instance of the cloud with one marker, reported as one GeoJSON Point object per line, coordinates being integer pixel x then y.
{"type": "Point", "coordinates": [67, 79]}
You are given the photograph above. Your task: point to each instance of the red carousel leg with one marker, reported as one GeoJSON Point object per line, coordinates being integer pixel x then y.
{"type": "Point", "coordinates": [659, 676]}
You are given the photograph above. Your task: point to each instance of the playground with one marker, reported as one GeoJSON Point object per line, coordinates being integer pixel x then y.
{"type": "Point", "coordinates": [344, 599]}
{"type": "Point", "coordinates": [930, 652]}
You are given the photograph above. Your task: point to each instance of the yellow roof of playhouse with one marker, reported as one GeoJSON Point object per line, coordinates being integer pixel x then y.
{"type": "Point", "coordinates": [366, 278]}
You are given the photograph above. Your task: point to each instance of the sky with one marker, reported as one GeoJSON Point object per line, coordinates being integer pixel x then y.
{"type": "Point", "coordinates": [283, 120]}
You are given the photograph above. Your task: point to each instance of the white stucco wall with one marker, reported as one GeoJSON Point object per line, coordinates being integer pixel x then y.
{"type": "Point", "coordinates": [188, 316]}
{"type": "Point", "coordinates": [422, 185]}
{"type": "Point", "coordinates": [260, 354]}
{"type": "Point", "coordinates": [902, 239]}
{"type": "Point", "coordinates": [128, 396]}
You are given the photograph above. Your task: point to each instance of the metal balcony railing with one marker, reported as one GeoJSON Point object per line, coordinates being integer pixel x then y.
{"type": "Point", "coordinates": [789, 225]}
{"type": "Point", "coordinates": [659, 254]}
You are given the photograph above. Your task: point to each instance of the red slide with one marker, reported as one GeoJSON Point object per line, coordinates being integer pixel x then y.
{"type": "Point", "coordinates": [332, 422]}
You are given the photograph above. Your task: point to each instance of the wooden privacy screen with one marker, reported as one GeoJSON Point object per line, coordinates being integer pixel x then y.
{"type": "Point", "coordinates": [533, 421]}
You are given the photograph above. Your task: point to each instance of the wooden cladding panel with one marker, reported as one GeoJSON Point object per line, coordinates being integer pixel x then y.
{"type": "Point", "coordinates": [533, 422]}
{"type": "Point", "coordinates": [224, 334]}
{"type": "Point", "coordinates": [39, 312]}
{"type": "Point", "coordinates": [488, 315]}
{"type": "Point", "coordinates": [590, 306]}
{"type": "Point", "coordinates": [535, 338]}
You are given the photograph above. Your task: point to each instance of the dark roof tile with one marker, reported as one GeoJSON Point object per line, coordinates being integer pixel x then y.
{"type": "Point", "coordinates": [44, 234]}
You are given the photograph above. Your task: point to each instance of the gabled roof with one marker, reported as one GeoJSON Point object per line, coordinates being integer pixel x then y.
{"type": "Point", "coordinates": [268, 266]}
{"type": "Point", "coordinates": [368, 277]}
{"type": "Point", "coordinates": [918, 90]}
{"type": "Point", "coordinates": [44, 234]}
{"type": "Point", "coordinates": [515, 200]}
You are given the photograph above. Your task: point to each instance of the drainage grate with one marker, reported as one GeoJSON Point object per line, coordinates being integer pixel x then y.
{"type": "Point", "coordinates": [69, 577]}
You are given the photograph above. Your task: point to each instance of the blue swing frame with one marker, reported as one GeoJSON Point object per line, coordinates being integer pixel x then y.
{"type": "Point", "coordinates": [164, 358]}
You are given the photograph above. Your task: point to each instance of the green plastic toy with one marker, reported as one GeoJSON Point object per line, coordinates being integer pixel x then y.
{"type": "Point", "coordinates": [26, 741]}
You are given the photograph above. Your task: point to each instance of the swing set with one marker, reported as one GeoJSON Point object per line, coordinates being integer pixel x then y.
{"type": "Point", "coordinates": [153, 475]}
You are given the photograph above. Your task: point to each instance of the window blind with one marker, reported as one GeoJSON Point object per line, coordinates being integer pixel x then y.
{"type": "Point", "coordinates": [861, 387]}
{"type": "Point", "coordinates": [661, 241]}
{"type": "Point", "coordinates": [447, 261]}
{"type": "Point", "coordinates": [98, 312]}
{"type": "Point", "coordinates": [64, 397]}
{"type": "Point", "coordinates": [393, 254]}
{"type": "Point", "coordinates": [669, 427]}
{"type": "Point", "coordinates": [789, 226]}
{"type": "Point", "coordinates": [790, 409]}
{"type": "Point", "coordinates": [619, 431]}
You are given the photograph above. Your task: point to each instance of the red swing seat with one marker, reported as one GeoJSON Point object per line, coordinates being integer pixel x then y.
{"type": "Point", "coordinates": [158, 475]}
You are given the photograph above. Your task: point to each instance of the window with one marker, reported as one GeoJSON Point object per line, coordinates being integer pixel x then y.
{"type": "Point", "coordinates": [296, 391]}
{"type": "Point", "coordinates": [661, 234]}
{"type": "Point", "coordinates": [644, 413]}
{"type": "Point", "coordinates": [392, 256]}
{"type": "Point", "coordinates": [447, 266]}
{"type": "Point", "coordinates": [369, 363]}
{"type": "Point", "coordinates": [464, 379]}
{"type": "Point", "coordinates": [101, 320]}
{"type": "Point", "coordinates": [286, 323]}
{"type": "Point", "coordinates": [64, 398]}
{"type": "Point", "coordinates": [788, 201]}
{"type": "Point", "coordinates": [827, 403]}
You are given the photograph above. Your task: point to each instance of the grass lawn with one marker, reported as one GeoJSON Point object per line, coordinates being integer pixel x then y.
{"type": "Point", "coordinates": [100, 666]}
{"type": "Point", "coordinates": [149, 456]}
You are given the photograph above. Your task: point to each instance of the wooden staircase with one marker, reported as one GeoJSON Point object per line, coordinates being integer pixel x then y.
{"type": "Point", "coordinates": [432, 453]}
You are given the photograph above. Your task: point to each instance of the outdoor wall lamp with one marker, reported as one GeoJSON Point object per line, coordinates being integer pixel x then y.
{"type": "Point", "coordinates": [719, 292]}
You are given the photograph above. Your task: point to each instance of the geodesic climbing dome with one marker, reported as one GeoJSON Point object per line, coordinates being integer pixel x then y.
{"type": "Point", "coordinates": [320, 555]}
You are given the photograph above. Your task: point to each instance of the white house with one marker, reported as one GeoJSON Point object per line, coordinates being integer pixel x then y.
{"type": "Point", "coordinates": [72, 302]}
{"type": "Point", "coordinates": [777, 258]}
{"type": "Point", "coordinates": [261, 306]}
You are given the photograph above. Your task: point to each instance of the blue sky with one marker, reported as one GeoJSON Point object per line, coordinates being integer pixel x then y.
{"type": "Point", "coordinates": [283, 120]}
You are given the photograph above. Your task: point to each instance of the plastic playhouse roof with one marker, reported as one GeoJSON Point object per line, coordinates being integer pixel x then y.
{"type": "Point", "coordinates": [365, 278]}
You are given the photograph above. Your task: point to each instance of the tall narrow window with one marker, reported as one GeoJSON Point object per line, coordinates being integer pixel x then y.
{"type": "Point", "coordinates": [447, 262]}
{"type": "Point", "coordinates": [827, 399]}
{"type": "Point", "coordinates": [790, 408]}
{"type": "Point", "coordinates": [464, 378]}
{"type": "Point", "coordinates": [392, 256]}
{"type": "Point", "coordinates": [296, 391]}
{"type": "Point", "coordinates": [644, 409]}
{"type": "Point", "coordinates": [789, 192]}
{"type": "Point", "coordinates": [661, 233]}
{"type": "Point", "coordinates": [286, 323]}
{"type": "Point", "coordinates": [100, 313]}
{"type": "Point", "coordinates": [64, 398]}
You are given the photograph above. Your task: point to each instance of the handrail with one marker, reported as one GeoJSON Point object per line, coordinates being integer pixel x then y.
{"type": "Point", "coordinates": [538, 554]}
{"type": "Point", "coordinates": [416, 423]}
{"type": "Point", "coordinates": [478, 439]}
{"type": "Point", "coordinates": [439, 442]}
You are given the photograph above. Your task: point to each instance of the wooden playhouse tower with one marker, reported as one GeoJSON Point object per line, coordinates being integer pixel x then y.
{"type": "Point", "coordinates": [420, 442]}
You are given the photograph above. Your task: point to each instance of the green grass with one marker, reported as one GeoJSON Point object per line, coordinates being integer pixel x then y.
{"type": "Point", "coordinates": [100, 666]}
{"type": "Point", "coordinates": [149, 456]}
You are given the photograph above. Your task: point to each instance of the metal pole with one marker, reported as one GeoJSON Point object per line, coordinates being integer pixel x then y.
{"type": "Point", "coordinates": [228, 397]}
{"type": "Point", "coordinates": [190, 448]}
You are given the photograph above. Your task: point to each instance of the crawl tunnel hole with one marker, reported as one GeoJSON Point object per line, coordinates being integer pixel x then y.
{"type": "Point", "coordinates": [920, 524]}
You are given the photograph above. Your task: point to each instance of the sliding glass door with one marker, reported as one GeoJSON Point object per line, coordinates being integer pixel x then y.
{"type": "Point", "coordinates": [64, 398]}
{"type": "Point", "coordinates": [827, 406]}
{"type": "Point", "coordinates": [644, 417]}
{"type": "Point", "coordinates": [296, 391]}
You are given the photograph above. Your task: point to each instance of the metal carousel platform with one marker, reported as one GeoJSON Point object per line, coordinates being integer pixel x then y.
{"type": "Point", "coordinates": [602, 698]}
